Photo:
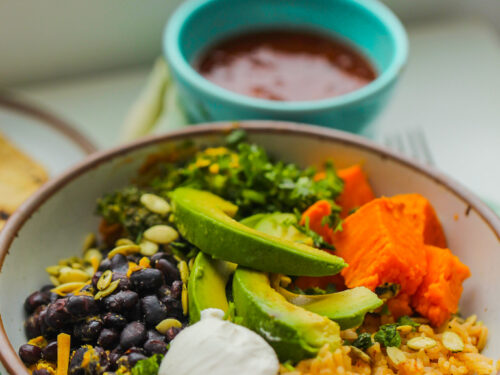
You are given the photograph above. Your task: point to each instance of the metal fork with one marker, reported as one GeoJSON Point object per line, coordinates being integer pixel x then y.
{"type": "Point", "coordinates": [412, 143]}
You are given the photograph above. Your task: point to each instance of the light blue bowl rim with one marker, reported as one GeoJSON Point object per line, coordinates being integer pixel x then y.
{"type": "Point", "coordinates": [171, 40]}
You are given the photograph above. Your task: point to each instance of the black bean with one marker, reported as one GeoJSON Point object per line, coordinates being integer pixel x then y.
{"type": "Point", "coordinates": [119, 264]}
{"type": "Point", "coordinates": [121, 301]}
{"type": "Point", "coordinates": [41, 371]}
{"type": "Point", "coordinates": [96, 278]}
{"type": "Point", "coordinates": [44, 328]}
{"type": "Point", "coordinates": [155, 347]}
{"type": "Point", "coordinates": [88, 330]}
{"type": "Point", "coordinates": [132, 335]}
{"type": "Point", "coordinates": [174, 307]}
{"type": "Point", "coordinates": [35, 300]}
{"type": "Point", "coordinates": [176, 289]}
{"type": "Point", "coordinates": [154, 335]}
{"type": "Point", "coordinates": [30, 354]}
{"type": "Point", "coordinates": [104, 265]}
{"type": "Point", "coordinates": [32, 326]}
{"type": "Point", "coordinates": [75, 364]}
{"type": "Point", "coordinates": [54, 297]}
{"type": "Point", "coordinates": [133, 358]}
{"type": "Point", "coordinates": [171, 333]}
{"type": "Point", "coordinates": [146, 280]}
{"type": "Point", "coordinates": [113, 357]}
{"type": "Point", "coordinates": [154, 311]}
{"type": "Point", "coordinates": [169, 270]}
{"type": "Point", "coordinates": [49, 353]}
{"type": "Point", "coordinates": [108, 338]}
{"type": "Point", "coordinates": [57, 314]}
{"type": "Point", "coordinates": [156, 257]}
{"type": "Point", "coordinates": [134, 258]}
{"type": "Point", "coordinates": [136, 349]}
{"type": "Point", "coordinates": [113, 320]}
{"type": "Point", "coordinates": [80, 306]}
{"type": "Point", "coordinates": [124, 281]}
{"type": "Point", "coordinates": [47, 288]}
{"type": "Point", "coordinates": [135, 313]}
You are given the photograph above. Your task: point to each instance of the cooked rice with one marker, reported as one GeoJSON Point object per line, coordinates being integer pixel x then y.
{"type": "Point", "coordinates": [437, 360]}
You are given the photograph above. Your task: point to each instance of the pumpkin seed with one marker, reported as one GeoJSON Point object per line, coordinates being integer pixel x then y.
{"type": "Point", "coordinates": [104, 280]}
{"type": "Point", "coordinates": [124, 241]}
{"type": "Point", "coordinates": [155, 204]}
{"type": "Point", "coordinates": [452, 342]}
{"type": "Point", "coordinates": [421, 342]}
{"type": "Point", "coordinates": [184, 299]}
{"type": "Point", "coordinates": [162, 234]}
{"type": "Point", "coordinates": [67, 288]}
{"type": "Point", "coordinates": [89, 241]}
{"type": "Point", "coordinates": [106, 292]}
{"type": "Point", "coordinates": [184, 271]}
{"type": "Point", "coordinates": [357, 353]}
{"type": "Point", "coordinates": [53, 270]}
{"type": "Point", "coordinates": [166, 324]}
{"type": "Point", "coordinates": [148, 248]}
{"type": "Point", "coordinates": [395, 355]}
{"type": "Point", "coordinates": [405, 329]}
{"type": "Point", "coordinates": [69, 275]}
{"type": "Point", "coordinates": [92, 254]}
{"type": "Point", "coordinates": [124, 250]}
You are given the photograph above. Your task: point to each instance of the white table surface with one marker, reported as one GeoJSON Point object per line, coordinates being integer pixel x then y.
{"type": "Point", "coordinates": [450, 90]}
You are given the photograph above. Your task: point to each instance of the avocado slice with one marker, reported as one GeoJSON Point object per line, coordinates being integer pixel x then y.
{"type": "Point", "coordinates": [205, 220]}
{"type": "Point", "coordinates": [207, 285]}
{"type": "Point", "coordinates": [278, 225]}
{"type": "Point", "coordinates": [348, 308]}
{"type": "Point", "coordinates": [293, 332]}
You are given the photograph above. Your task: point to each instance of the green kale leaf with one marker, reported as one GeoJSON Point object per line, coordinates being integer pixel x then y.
{"type": "Point", "coordinates": [388, 335]}
{"type": "Point", "coordinates": [363, 342]}
{"type": "Point", "coordinates": [125, 208]}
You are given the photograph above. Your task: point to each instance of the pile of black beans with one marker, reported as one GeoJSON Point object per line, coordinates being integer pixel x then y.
{"type": "Point", "coordinates": [120, 328]}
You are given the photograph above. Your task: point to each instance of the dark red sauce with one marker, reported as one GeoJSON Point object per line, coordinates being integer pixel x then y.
{"type": "Point", "coordinates": [285, 65]}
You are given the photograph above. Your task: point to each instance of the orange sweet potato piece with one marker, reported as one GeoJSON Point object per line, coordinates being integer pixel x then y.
{"type": "Point", "coordinates": [315, 215]}
{"type": "Point", "coordinates": [357, 191]}
{"type": "Point", "coordinates": [426, 222]}
{"type": "Point", "coordinates": [400, 306]}
{"type": "Point", "coordinates": [438, 295]}
{"type": "Point", "coordinates": [379, 244]}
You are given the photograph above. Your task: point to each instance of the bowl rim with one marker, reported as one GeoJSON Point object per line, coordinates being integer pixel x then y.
{"type": "Point", "coordinates": [177, 62]}
{"type": "Point", "coordinates": [8, 356]}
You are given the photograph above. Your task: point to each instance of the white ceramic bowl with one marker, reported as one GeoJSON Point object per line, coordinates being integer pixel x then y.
{"type": "Point", "coordinates": [53, 223]}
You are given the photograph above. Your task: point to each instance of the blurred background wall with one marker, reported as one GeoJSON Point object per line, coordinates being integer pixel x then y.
{"type": "Point", "coordinates": [46, 39]}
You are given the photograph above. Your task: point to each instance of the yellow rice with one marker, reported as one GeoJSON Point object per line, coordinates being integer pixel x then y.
{"type": "Point", "coordinates": [437, 360]}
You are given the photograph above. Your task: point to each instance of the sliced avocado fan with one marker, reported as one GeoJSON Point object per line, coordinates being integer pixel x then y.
{"type": "Point", "coordinates": [348, 308]}
{"type": "Point", "coordinates": [207, 285]}
{"type": "Point", "coordinates": [293, 332]}
{"type": "Point", "coordinates": [205, 220]}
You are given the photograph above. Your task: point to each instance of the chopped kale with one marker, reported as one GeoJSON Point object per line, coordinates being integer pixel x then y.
{"type": "Point", "coordinates": [149, 366]}
{"type": "Point", "coordinates": [363, 342]}
{"type": "Point", "coordinates": [125, 208]}
{"type": "Point", "coordinates": [388, 335]}
{"type": "Point", "coordinates": [407, 321]}
{"type": "Point", "coordinates": [247, 177]}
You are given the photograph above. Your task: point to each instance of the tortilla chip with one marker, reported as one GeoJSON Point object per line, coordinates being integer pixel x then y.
{"type": "Point", "coordinates": [20, 176]}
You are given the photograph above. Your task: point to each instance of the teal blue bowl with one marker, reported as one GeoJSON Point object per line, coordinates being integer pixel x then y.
{"type": "Point", "coordinates": [366, 24]}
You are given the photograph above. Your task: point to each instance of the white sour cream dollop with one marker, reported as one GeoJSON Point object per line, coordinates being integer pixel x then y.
{"type": "Point", "coordinates": [214, 346]}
